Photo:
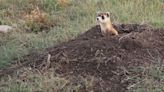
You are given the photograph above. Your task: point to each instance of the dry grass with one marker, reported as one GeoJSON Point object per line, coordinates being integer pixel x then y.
{"type": "Point", "coordinates": [28, 80]}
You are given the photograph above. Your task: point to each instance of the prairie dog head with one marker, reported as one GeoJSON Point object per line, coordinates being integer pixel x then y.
{"type": "Point", "coordinates": [103, 17]}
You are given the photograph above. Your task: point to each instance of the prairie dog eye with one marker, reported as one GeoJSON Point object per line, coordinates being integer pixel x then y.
{"type": "Point", "coordinates": [103, 17]}
{"type": "Point", "coordinates": [107, 15]}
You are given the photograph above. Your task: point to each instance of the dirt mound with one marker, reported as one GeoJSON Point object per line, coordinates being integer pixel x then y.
{"type": "Point", "coordinates": [107, 58]}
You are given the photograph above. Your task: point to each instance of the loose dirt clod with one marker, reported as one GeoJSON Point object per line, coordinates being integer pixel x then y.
{"type": "Point", "coordinates": [107, 58]}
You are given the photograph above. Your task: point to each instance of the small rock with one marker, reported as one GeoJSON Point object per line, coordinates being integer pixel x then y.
{"type": "Point", "coordinates": [5, 28]}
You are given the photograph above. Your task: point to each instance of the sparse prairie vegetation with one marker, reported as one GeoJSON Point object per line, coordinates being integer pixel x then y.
{"type": "Point", "coordinates": [45, 23]}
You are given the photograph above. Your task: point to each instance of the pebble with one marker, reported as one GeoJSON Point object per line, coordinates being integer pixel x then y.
{"type": "Point", "coordinates": [5, 28]}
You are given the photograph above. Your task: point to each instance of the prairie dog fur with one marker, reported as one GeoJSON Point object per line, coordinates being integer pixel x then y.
{"type": "Point", "coordinates": [103, 18]}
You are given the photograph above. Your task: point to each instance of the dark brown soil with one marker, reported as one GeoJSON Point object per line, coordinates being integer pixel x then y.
{"type": "Point", "coordinates": [108, 58]}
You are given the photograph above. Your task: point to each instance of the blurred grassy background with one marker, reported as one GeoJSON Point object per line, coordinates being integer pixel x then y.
{"type": "Point", "coordinates": [44, 23]}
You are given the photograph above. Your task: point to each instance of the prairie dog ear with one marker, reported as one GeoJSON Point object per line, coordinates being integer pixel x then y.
{"type": "Point", "coordinates": [97, 13]}
{"type": "Point", "coordinates": [108, 14]}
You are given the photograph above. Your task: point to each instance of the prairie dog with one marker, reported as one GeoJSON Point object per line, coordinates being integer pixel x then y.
{"type": "Point", "coordinates": [103, 18]}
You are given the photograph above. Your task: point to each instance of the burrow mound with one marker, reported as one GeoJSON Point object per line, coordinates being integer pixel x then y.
{"type": "Point", "coordinates": [105, 57]}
